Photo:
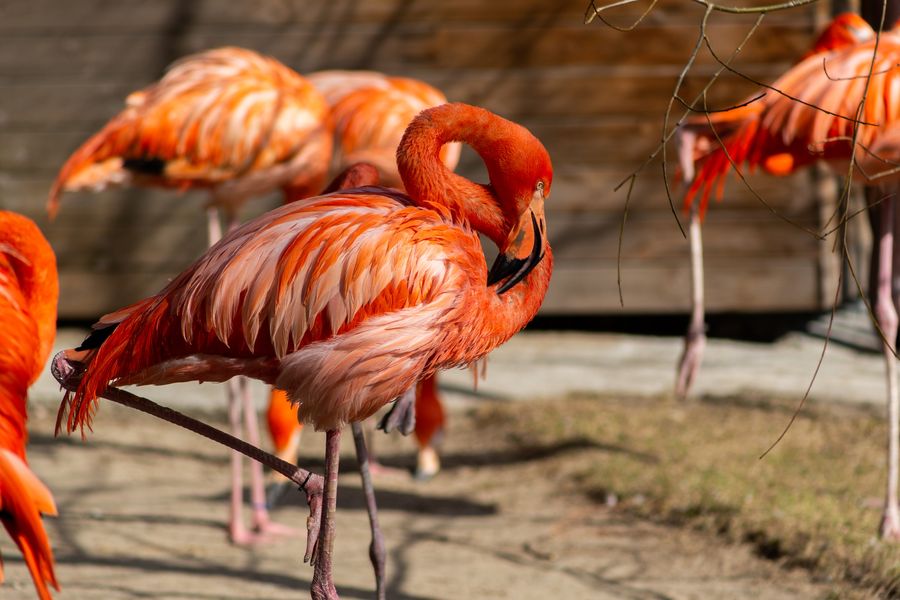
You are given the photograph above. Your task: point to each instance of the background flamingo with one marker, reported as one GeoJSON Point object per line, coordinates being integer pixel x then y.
{"type": "Point", "coordinates": [785, 127]}
{"type": "Point", "coordinates": [370, 112]}
{"type": "Point", "coordinates": [698, 139]}
{"type": "Point", "coordinates": [29, 290]}
{"type": "Point", "coordinates": [346, 328]}
{"type": "Point", "coordinates": [234, 122]}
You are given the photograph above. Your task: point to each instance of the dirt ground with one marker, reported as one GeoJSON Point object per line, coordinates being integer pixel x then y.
{"type": "Point", "coordinates": [143, 507]}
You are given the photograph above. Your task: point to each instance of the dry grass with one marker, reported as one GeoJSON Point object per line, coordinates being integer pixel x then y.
{"type": "Point", "coordinates": [813, 502]}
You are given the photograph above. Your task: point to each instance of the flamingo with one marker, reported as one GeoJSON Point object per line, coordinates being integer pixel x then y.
{"type": "Point", "coordinates": [238, 124]}
{"type": "Point", "coordinates": [370, 112]}
{"type": "Point", "coordinates": [697, 140]}
{"type": "Point", "coordinates": [801, 132]}
{"type": "Point", "coordinates": [401, 290]}
{"type": "Point", "coordinates": [29, 290]}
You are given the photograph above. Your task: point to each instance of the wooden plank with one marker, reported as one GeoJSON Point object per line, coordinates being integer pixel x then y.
{"type": "Point", "coordinates": [732, 285]}
{"type": "Point", "coordinates": [173, 16]}
{"type": "Point", "coordinates": [521, 95]}
{"type": "Point", "coordinates": [460, 45]}
{"type": "Point", "coordinates": [84, 57]}
{"type": "Point", "coordinates": [653, 236]}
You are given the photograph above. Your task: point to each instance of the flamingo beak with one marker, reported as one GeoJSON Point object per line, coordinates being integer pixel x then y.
{"type": "Point", "coordinates": [522, 255]}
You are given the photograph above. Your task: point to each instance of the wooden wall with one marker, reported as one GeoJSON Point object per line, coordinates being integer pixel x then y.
{"type": "Point", "coordinates": [595, 96]}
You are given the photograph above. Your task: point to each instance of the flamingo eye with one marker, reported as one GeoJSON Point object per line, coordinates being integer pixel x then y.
{"type": "Point", "coordinates": [540, 187]}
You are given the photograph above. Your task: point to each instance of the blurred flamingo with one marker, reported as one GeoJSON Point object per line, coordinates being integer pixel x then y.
{"type": "Point", "coordinates": [370, 112]}
{"type": "Point", "coordinates": [698, 142]}
{"type": "Point", "coordinates": [28, 293]}
{"type": "Point", "coordinates": [238, 124]}
{"type": "Point", "coordinates": [819, 125]}
{"type": "Point", "coordinates": [400, 291]}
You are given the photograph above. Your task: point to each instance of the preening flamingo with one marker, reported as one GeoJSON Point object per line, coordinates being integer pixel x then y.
{"type": "Point", "coordinates": [29, 290]}
{"type": "Point", "coordinates": [370, 112]}
{"type": "Point", "coordinates": [400, 290]}
{"type": "Point", "coordinates": [698, 140]}
{"type": "Point", "coordinates": [234, 122]}
{"type": "Point", "coordinates": [798, 129]}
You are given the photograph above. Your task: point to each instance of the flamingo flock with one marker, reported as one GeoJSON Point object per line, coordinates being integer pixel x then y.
{"type": "Point", "coordinates": [350, 297]}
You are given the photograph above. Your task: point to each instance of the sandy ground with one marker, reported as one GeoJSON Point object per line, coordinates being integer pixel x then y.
{"type": "Point", "coordinates": [143, 507]}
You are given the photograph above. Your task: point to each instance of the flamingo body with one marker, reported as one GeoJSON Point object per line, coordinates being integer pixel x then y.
{"type": "Point", "coordinates": [229, 120]}
{"type": "Point", "coordinates": [28, 295]}
{"type": "Point", "coordinates": [785, 132]}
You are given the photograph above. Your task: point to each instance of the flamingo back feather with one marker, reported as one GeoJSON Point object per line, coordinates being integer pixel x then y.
{"type": "Point", "coordinates": [216, 116]}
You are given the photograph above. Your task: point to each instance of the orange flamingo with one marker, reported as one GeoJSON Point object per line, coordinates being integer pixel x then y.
{"type": "Point", "coordinates": [370, 112]}
{"type": "Point", "coordinates": [399, 291]}
{"type": "Point", "coordinates": [28, 293]}
{"type": "Point", "coordinates": [698, 141]}
{"type": "Point", "coordinates": [238, 124]}
{"type": "Point", "coordinates": [814, 119]}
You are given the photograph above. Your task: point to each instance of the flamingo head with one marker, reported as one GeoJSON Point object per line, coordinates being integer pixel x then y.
{"type": "Point", "coordinates": [521, 175]}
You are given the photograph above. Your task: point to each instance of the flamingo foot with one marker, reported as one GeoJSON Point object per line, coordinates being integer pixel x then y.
{"type": "Point", "coordinates": [689, 365]}
{"type": "Point", "coordinates": [402, 415]}
{"type": "Point", "coordinates": [376, 469]}
{"type": "Point", "coordinates": [890, 523]}
{"type": "Point", "coordinates": [428, 464]}
{"type": "Point", "coordinates": [268, 529]}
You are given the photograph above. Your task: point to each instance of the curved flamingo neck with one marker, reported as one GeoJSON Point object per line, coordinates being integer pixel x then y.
{"type": "Point", "coordinates": [430, 183]}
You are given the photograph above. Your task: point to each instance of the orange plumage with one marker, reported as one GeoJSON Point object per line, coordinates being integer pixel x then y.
{"type": "Point", "coordinates": [346, 300]}
{"type": "Point", "coordinates": [230, 120]}
{"type": "Point", "coordinates": [28, 296]}
{"type": "Point", "coordinates": [782, 135]}
{"type": "Point", "coordinates": [370, 112]}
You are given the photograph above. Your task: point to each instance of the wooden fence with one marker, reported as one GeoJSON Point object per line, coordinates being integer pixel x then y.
{"type": "Point", "coordinates": [595, 96]}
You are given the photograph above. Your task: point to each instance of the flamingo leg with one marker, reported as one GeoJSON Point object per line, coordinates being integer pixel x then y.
{"type": "Point", "coordinates": [213, 224]}
{"type": "Point", "coordinates": [376, 547]}
{"type": "Point", "coordinates": [695, 339]}
{"type": "Point", "coordinates": [262, 524]}
{"type": "Point", "coordinates": [237, 532]}
{"type": "Point", "coordinates": [69, 376]}
{"type": "Point", "coordinates": [886, 315]}
{"type": "Point", "coordinates": [322, 586]}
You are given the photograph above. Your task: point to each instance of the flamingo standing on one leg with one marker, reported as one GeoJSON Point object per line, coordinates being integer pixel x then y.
{"type": "Point", "coordinates": [238, 124]}
{"type": "Point", "coordinates": [346, 327]}
{"type": "Point", "coordinates": [698, 136]}
{"type": "Point", "coordinates": [814, 119]}
{"type": "Point", "coordinates": [370, 112]}
{"type": "Point", "coordinates": [28, 293]}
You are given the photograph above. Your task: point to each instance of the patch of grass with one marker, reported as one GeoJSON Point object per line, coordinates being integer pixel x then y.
{"type": "Point", "coordinates": [814, 501]}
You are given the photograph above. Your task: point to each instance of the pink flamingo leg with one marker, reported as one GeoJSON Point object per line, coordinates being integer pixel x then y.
{"type": "Point", "coordinates": [695, 339]}
{"type": "Point", "coordinates": [322, 587]}
{"type": "Point", "coordinates": [376, 547]}
{"type": "Point", "coordinates": [262, 524]}
{"type": "Point", "coordinates": [237, 532]}
{"type": "Point", "coordinates": [886, 314]}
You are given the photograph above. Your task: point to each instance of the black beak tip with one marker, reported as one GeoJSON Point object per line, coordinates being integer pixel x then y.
{"type": "Point", "coordinates": [515, 270]}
